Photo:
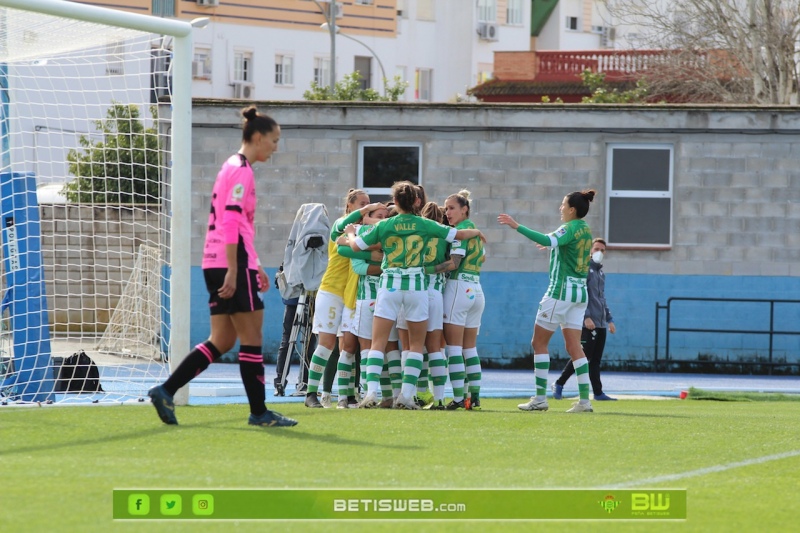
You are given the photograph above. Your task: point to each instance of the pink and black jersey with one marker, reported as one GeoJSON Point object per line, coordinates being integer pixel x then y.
{"type": "Point", "coordinates": [233, 207]}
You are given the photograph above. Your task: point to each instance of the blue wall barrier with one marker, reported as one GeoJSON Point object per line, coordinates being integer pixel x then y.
{"type": "Point", "coordinates": [512, 299]}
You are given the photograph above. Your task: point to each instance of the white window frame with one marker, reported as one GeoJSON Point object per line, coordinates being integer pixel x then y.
{"type": "Point", "coordinates": [568, 23]}
{"type": "Point", "coordinates": [284, 70]}
{"type": "Point", "coordinates": [487, 10]}
{"type": "Point", "coordinates": [514, 12]}
{"type": "Point", "coordinates": [386, 191]}
{"type": "Point", "coordinates": [419, 85]}
{"type": "Point", "coordinates": [115, 53]}
{"type": "Point", "coordinates": [242, 65]}
{"type": "Point", "coordinates": [322, 71]}
{"type": "Point", "coordinates": [202, 54]}
{"type": "Point", "coordinates": [612, 194]}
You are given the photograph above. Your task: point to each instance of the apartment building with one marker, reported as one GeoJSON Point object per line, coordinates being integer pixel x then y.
{"type": "Point", "coordinates": [274, 49]}
{"type": "Point", "coordinates": [572, 25]}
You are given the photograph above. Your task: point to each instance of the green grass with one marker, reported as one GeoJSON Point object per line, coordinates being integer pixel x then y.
{"type": "Point", "coordinates": [701, 394]}
{"type": "Point", "coordinates": [60, 464]}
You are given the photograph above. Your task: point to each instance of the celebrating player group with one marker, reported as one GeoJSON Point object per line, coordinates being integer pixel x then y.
{"type": "Point", "coordinates": [402, 290]}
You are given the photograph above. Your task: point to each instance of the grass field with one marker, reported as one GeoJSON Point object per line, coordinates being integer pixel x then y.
{"type": "Point", "coordinates": [60, 464]}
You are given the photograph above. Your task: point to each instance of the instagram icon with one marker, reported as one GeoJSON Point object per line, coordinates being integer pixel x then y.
{"type": "Point", "coordinates": [203, 504]}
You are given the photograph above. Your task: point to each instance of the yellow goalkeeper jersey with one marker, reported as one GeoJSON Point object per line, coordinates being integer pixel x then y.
{"type": "Point", "coordinates": [351, 290]}
{"type": "Point", "coordinates": [336, 275]}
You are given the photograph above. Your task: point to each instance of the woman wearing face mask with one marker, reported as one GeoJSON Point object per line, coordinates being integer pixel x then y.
{"type": "Point", "coordinates": [596, 322]}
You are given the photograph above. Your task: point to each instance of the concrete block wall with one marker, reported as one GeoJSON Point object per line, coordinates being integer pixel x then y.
{"type": "Point", "coordinates": [736, 185]}
{"type": "Point", "coordinates": [736, 179]}
{"type": "Point", "coordinates": [89, 252]}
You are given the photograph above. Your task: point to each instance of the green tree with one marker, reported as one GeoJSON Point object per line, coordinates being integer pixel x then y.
{"type": "Point", "coordinates": [601, 94]}
{"type": "Point", "coordinates": [123, 168]}
{"type": "Point", "coordinates": [349, 89]}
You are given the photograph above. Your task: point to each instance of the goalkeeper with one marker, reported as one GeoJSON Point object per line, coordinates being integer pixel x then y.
{"type": "Point", "coordinates": [234, 278]}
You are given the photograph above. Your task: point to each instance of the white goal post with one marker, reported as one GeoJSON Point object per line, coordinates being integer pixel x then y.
{"type": "Point", "coordinates": [95, 112]}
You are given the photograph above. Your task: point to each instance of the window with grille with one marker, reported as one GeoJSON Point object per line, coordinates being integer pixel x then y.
{"type": "Point", "coordinates": [639, 199]}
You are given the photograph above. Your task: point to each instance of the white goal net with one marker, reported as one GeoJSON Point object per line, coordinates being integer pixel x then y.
{"type": "Point", "coordinates": [87, 218]}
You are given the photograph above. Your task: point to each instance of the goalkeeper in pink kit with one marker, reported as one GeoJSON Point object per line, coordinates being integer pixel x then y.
{"type": "Point", "coordinates": [234, 278]}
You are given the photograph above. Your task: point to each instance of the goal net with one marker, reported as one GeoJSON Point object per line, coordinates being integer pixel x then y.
{"type": "Point", "coordinates": [86, 180]}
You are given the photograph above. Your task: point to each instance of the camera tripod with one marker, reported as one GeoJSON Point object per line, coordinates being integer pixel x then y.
{"type": "Point", "coordinates": [300, 341]}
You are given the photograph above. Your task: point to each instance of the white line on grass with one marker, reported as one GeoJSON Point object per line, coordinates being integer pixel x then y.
{"type": "Point", "coordinates": [707, 470]}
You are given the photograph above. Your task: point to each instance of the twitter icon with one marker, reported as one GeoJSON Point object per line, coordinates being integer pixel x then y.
{"type": "Point", "coordinates": [170, 504]}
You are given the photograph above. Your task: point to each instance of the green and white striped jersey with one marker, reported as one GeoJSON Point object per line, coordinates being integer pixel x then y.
{"type": "Point", "coordinates": [569, 262]}
{"type": "Point", "coordinates": [404, 241]}
{"type": "Point", "coordinates": [435, 253]}
{"type": "Point", "coordinates": [469, 269]}
{"type": "Point", "coordinates": [367, 285]}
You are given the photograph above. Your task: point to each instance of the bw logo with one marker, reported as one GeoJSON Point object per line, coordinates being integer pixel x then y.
{"type": "Point", "coordinates": [641, 501]}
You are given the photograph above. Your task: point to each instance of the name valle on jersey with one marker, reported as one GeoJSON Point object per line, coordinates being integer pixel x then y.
{"type": "Point", "coordinates": [405, 226]}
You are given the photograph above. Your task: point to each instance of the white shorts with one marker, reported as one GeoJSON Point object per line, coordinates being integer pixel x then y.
{"type": "Point", "coordinates": [365, 310]}
{"type": "Point", "coordinates": [463, 303]}
{"type": "Point", "coordinates": [413, 303]}
{"type": "Point", "coordinates": [553, 313]}
{"type": "Point", "coordinates": [327, 313]}
{"type": "Point", "coordinates": [348, 321]}
{"type": "Point", "coordinates": [435, 309]}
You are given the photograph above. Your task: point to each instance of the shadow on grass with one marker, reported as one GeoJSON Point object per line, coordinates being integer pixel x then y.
{"type": "Point", "coordinates": [138, 434]}
{"type": "Point", "coordinates": [282, 432]}
{"type": "Point", "coordinates": [638, 415]}
{"type": "Point", "coordinates": [326, 438]}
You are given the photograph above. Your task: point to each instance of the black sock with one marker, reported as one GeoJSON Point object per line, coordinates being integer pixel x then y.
{"type": "Point", "coordinates": [251, 367]}
{"type": "Point", "coordinates": [194, 363]}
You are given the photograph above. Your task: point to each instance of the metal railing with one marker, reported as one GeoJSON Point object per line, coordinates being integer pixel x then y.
{"type": "Point", "coordinates": [771, 332]}
{"type": "Point", "coordinates": [618, 65]}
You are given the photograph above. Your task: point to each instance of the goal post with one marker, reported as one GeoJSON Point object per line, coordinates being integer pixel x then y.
{"type": "Point", "coordinates": [98, 99]}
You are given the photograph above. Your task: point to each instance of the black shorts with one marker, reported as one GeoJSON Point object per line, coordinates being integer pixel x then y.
{"type": "Point", "coordinates": [245, 299]}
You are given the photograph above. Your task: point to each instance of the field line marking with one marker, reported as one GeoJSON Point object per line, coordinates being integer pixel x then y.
{"type": "Point", "coordinates": [707, 470]}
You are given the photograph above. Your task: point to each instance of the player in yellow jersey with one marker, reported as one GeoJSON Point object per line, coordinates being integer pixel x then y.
{"type": "Point", "coordinates": [329, 302]}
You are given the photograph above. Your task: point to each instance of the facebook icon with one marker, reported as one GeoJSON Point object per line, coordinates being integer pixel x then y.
{"type": "Point", "coordinates": [138, 504]}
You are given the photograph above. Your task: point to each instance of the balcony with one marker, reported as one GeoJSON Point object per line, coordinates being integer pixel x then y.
{"type": "Point", "coordinates": [566, 66]}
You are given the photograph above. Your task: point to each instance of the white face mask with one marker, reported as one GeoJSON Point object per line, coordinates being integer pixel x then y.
{"type": "Point", "coordinates": [597, 257]}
